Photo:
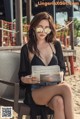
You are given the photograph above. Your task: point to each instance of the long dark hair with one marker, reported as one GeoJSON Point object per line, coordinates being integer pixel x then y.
{"type": "Point", "coordinates": [32, 44]}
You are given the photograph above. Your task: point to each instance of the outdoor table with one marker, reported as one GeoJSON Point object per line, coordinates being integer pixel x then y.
{"type": "Point", "coordinates": [69, 53]}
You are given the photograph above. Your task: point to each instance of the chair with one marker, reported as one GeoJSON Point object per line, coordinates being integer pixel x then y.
{"type": "Point", "coordinates": [10, 93]}
{"type": "Point", "coordinates": [9, 83]}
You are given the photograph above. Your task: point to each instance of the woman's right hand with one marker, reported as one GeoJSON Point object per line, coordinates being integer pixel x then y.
{"type": "Point", "coordinates": [30, 79]}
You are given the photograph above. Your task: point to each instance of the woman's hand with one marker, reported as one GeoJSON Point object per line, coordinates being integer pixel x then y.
{"type": "Point", "coordinates": [29, 79]}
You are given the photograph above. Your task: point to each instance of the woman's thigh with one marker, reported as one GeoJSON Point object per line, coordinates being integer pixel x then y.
{"type": "Point", "coordinates": [43, 95]}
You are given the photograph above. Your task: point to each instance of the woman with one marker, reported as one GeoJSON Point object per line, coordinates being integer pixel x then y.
{"type": "Point", "coordinates": [43, 49]}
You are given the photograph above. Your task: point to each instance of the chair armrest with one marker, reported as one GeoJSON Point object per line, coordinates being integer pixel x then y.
{"type": "Point", "coordinates": [7, 82]}
{"type": "Point", "coordinates": [16, 92]}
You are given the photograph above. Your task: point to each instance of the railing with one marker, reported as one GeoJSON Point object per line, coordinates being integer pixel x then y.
{"type": "Point", "coordinates": [63, 33]}
{"type": "Point", "coordinates": [8, 39]}
{"type": "Point", "coordinates": [8, 33]}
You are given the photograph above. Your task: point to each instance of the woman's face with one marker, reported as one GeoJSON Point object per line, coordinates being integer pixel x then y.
{"type": "Point", "coordinates": [42, 30]}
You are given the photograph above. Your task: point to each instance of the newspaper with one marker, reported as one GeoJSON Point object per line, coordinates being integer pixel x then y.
{"type": "Point", "coordinates": [47, 73]}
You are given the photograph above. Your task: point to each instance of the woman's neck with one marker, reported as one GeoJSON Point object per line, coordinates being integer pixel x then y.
{"type": "Point", "coordinates": [41, 42]}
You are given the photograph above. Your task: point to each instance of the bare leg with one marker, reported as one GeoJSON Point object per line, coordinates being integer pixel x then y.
{"type": "Point", "coordinates": [44, 95]}
{"type": "Point", "coordinates": [57, 104]}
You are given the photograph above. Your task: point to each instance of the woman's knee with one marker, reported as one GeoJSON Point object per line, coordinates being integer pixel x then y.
{"type": "Point", "coordinates": [57, 103]}
{"type": "Point", "coordinates": [66, 89]}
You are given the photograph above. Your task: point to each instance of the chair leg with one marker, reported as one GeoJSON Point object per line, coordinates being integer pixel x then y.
{"type": "Point", "coordinates": [24, 110]}
{"type": "Point", "coordinates": [20, 115]}
{"type": "Point", "coordinates": [33, 117]}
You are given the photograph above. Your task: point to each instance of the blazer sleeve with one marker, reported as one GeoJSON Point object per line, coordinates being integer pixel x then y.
{"type": "Point", "coordinates": [59, 55]}
{"type": "Point", "coordinates": [24, 68]}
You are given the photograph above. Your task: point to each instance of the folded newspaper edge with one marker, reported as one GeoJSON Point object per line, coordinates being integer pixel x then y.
{"type": "Point", "coordinates": [45, 72]}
